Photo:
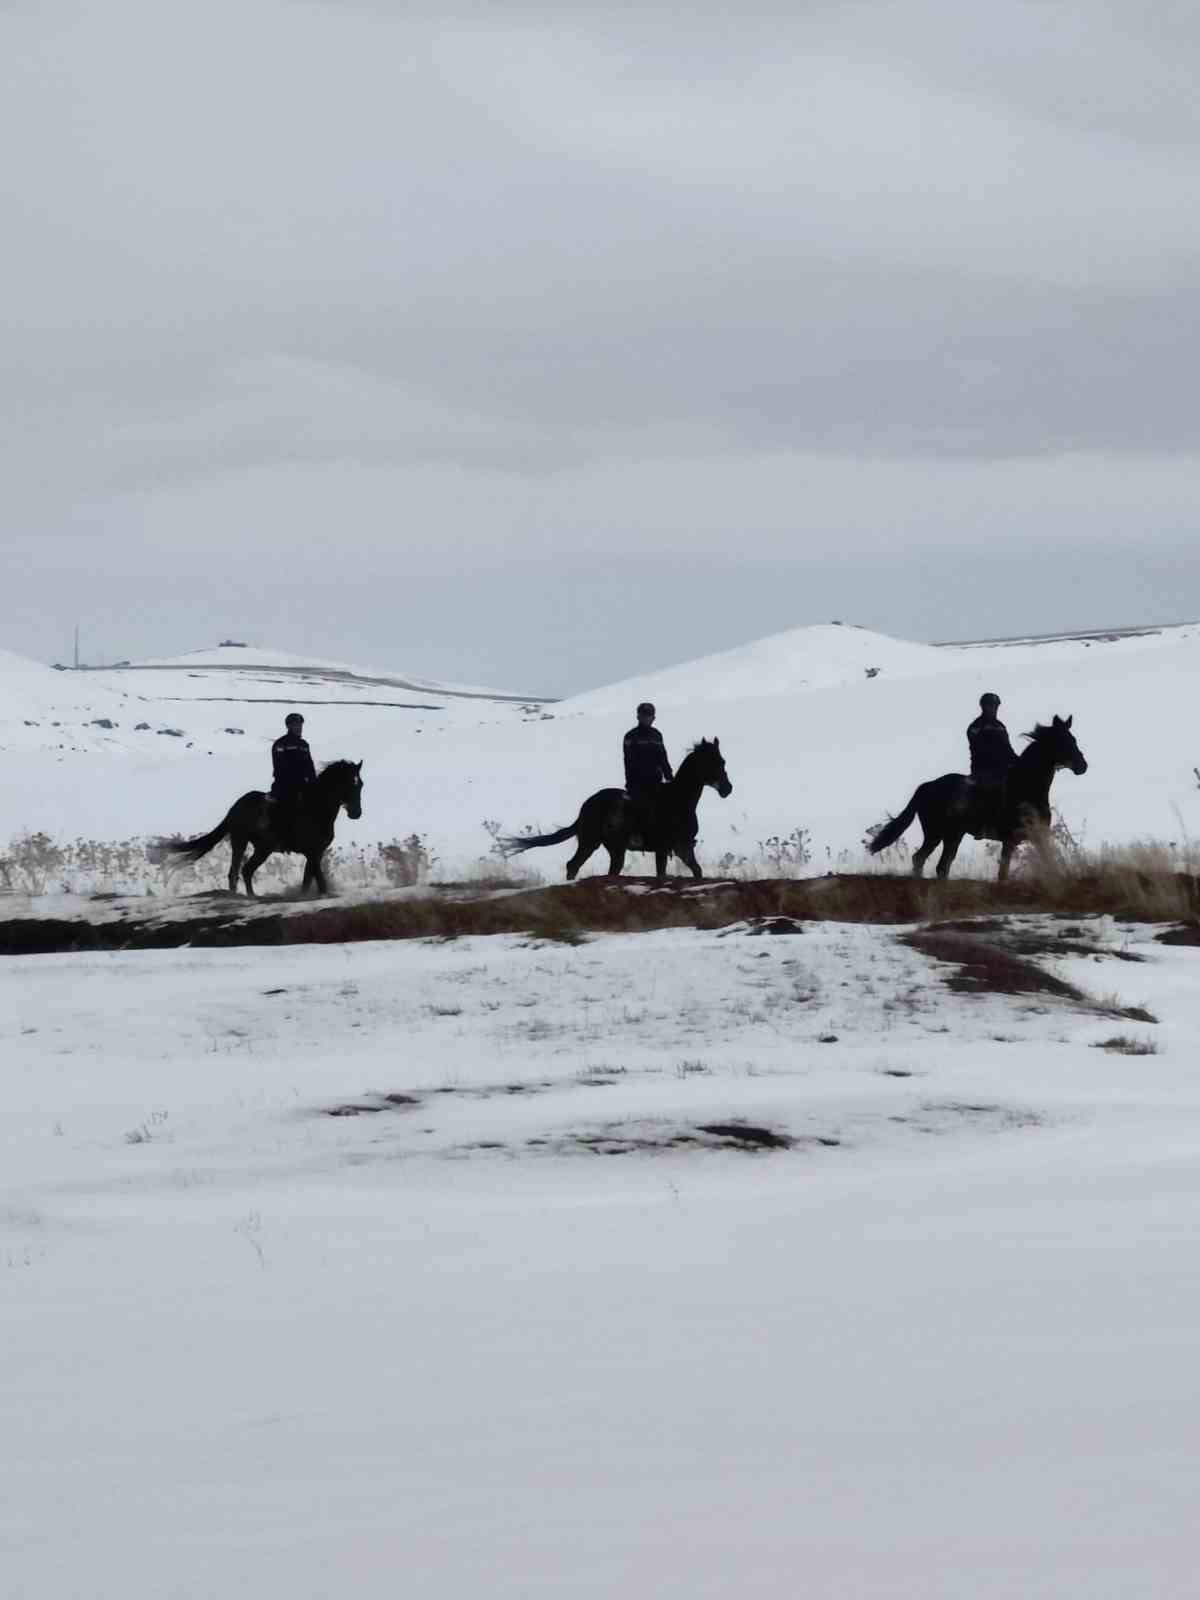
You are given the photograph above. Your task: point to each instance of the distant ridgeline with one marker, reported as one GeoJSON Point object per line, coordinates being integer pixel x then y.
{"type": "Point", "coordinates": [1087, 635]}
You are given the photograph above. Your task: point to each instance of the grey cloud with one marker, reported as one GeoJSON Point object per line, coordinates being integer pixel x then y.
{"type": "Point", "coordinates": [504, 286]}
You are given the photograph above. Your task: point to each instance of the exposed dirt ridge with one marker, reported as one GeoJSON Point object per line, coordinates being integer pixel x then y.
{"type": "Point", "coordinates": [569, 912]}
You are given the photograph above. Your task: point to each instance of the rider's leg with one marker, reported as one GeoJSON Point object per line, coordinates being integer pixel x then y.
{"type": "Point", "coordinates": [642, 797]}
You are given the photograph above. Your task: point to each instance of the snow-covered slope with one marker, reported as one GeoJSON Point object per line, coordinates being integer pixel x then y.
{"type": "Point", "coordinates": [41, 708]}
{"type": "Point", "coordinates": [207, 698]}
{"type": "Point", "coordinates": [784, 663]}
{"type": "Point", "coordinates": [254, 670]}
{"type": "Point", "coordinates": [812, 742]}
{"type": "Point", "coordinates": [832, 654]}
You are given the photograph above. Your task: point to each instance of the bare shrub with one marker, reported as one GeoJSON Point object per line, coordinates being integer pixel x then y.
{"type": "Point", "coordinates": [786, 854]}
{"type": "Point", "coordinates": [37, 864]}
{"type": "Point", "coordinates": [406, 862]}
{"type": "Point", "coordinates": [30, 864]}
{"type": "Point", "coordinates": [1124, 1044]}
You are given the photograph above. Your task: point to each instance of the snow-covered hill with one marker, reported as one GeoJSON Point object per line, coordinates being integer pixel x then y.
{"type": "Point", "coordinates": [834, 654]}
{"type": "Point", "coordinates": [250, 674]}
{"type": "Point", "coordinates": [824, 729]}
{"type": "Point", "coordinates": [821, 657]}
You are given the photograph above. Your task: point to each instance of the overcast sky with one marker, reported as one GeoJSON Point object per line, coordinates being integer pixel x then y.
{"type": "Point", "coordinates": [537, 344]}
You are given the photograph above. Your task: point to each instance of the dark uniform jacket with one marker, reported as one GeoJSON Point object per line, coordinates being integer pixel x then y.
{"type": "Point", "coordinates": [292, 764]}
{"type": "Point", "coordinates": [991, 752]}
{"type": "Point", "coordinates": [646, 761]}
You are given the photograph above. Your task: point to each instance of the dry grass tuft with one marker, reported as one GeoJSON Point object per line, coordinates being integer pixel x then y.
{"type": "Point", "coordinates": [1146, 880]}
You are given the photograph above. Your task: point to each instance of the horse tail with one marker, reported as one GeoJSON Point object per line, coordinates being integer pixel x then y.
{"type": "Point", "coordinates": [533, 841]}
{"type": "Point", "coordinates": [192, 849]}
{"type": "Point", "coordinates": [889, 834]}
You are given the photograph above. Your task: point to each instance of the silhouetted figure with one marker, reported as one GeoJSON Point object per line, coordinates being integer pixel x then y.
{"type": "Point", "coordinates": [646, 764]}
{"type": "Point", "coordinates": [991, 752]}
{"type": "Point", "coordinates": [292, 768]}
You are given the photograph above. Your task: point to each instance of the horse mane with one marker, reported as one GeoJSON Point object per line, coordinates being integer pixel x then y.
{"type": "Point", "coordinates": [335, 768]}
{"type": "Point", "coordinates": [1041, 730]}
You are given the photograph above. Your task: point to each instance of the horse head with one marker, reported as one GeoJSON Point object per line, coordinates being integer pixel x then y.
{"type": "Point", "coordinates": [712, 767]}
{"type": "Point", "coordinates": [1057, 743]}
{"type": "Point", "coordinates": [343, 780]}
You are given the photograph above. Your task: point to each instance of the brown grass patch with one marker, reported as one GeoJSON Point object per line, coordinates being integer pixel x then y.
{"type": "Point", "coordinates": [985, 968]}
{"type": "Point", "coordinates": [631, 1139]}
{"type": "Point", "coordinates": [1025, 941]}
{"type": "Point", "coordinates": [746, 1134]}
{"type": "Point", "coordinates": [370, 1105]}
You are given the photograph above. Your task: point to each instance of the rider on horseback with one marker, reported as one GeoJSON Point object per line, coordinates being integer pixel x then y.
{"type": "Point", "coordinates": [292, 765]}
{"type": "Point", "coordinates": [646, 764]}
{"type": "Point", "coordinates": [992, 753]}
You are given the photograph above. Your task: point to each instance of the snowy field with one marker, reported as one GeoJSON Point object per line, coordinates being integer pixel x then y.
{"type": "Point", "coordinates": [526, 1328]}
{"type": "Point", "coordinates": [682, 1263]}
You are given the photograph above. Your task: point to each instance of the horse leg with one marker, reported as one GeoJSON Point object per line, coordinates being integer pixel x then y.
{"type": "Point", "coordinates": [616, 859]}
{"type": "Point", "coordinates": [1006, 854]}
{"type": "Point", "coordinates": [584, 853]}
{"type": "Point", "coordinates": [923, 852]}
{"type": "Point", "coordinates": [256, 860]}
{"type": "Point", "coordinates": [661, 857]}
{"type": "Point", "coordinates": [688, 857]}
{"type": "Point", "coordinates": [313, 874]}
{"type": "Point", "coordinates": [949, 851]}
{"type": "Point", "coordinates": [237, 849]}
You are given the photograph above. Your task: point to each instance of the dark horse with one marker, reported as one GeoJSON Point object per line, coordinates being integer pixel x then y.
{"type": "Point", "coordinates": [610, 818]}
{"type": "Point", "coordinates": [254, 820]}
{"type": "Point", "coordinates": [952, 806]}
